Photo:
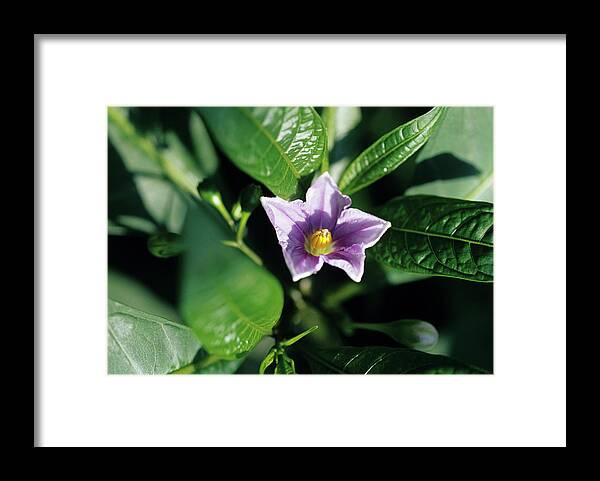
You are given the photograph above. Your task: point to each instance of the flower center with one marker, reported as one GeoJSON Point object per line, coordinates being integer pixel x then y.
{"type": "Point", "coordinates": [319, 242]}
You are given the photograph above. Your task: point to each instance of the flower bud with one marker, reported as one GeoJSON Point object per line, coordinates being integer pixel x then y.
{"type": "Point", "coordinates": [250, 197]}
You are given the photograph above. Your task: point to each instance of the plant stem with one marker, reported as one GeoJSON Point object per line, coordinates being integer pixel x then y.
{"type": "Point", "coordinates": [225, 214]}
{"type": "Point", "coordinates": [351, 326]}
{"type": "Point", "coordinates": [242, 227]}
{"type": "Point", "coordinates": [249, 252]}
{"type": "Point", "coordinates": [245, 249]}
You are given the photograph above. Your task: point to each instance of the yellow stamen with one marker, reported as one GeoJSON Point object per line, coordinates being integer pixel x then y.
{"type": "Point", "coordinates": [319, 242]}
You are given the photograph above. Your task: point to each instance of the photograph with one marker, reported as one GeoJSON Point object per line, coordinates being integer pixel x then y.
{"type": "Point", "coordinates": [300, 240]}
{"type": "Point", "coordinates": [379, 217]}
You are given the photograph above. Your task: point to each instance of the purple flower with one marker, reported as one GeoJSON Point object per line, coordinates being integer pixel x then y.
{"type": "Point", "coordinates": [323, 230]}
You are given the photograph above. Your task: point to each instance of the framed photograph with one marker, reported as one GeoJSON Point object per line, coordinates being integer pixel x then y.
{"type": "Point", "coordinates": [223, 239]}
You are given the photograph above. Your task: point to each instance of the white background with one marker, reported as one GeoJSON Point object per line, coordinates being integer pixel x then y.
{"type": "Point", "coordinates": [522, 404]}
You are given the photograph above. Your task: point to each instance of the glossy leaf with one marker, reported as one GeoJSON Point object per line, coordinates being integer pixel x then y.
{"type": "Point", "coordinates": [389, 152]}
{"type": "Point", "coordinates": [229, 301]}
{"type": "Point", "coordinates": [438, 236]}
{"type": "Point", "coordinates": [457, 161]}
{"type": "Point", "coordinates": [383, 360]}
{"type": "Point", "coordinates": [277, 146]}
{"type": "Point", "coordinates": [411, 333]}
{"type": "Point", "coordinates": [140, 343]}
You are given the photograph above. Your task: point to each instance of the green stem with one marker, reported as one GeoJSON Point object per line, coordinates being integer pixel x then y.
{"type": "Point", "coordinates": [245, 249]}
{"type": "Point", "coordinates": [224, 213]}
{"type": "Point", "coordinates": [250, 253]}
{"type": "Point", "coordinates": [239, 243]}
{"type": "Point", "coordinates": [242, 227]}
{"type": "Point", "coordinates": [351, 326]}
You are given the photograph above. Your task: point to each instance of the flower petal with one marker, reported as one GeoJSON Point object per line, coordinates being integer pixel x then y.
{"type": "Point", "coordinates": [350, 259]}
{"type": "Point", "coordinates": [325, 202]}
{"type": "Point", "coordinates": [291, 226]}
{"type": "Point", "coordinates": [357, 227]}
{"type": "Point", "coordinates": [288, 218]}
{"type": "Point", "coordinates": [300, 263]}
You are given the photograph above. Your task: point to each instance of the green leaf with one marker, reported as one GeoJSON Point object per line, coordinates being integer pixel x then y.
{"type": "Point", "coordinates": [267, 361]}
{"type": "Point", "coordinates": [438, 236]}
{"type": "Point", "coordinates": [140, 343]}
{"type": "Point", "coordinates": [328, 118]}
{"type": "Point", "coordinates": [390, 151]}
{"type": "Point", "coordinates": [203, 146]}
{"type": "Point", "coordinates": [383, 360]}
{"type": "Point", "coordinates": [345, 137]}
{"type": "Point", "coordinates": [284, 364]}
{"type": "Point", "coordinates": [165, 244]}
{"type": "Point", "coordinates": [295, 339]}
{"type": "Point", "coordinates": [277, 146]}
{"type": "Point", "coordinates": [411, 333]}
{"type": "Point", "coordinates": [228, 300]}
{"type": "Point", "coordinates": [457, 161]}
{"type": "Point", "coordinates": [339, 122]}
